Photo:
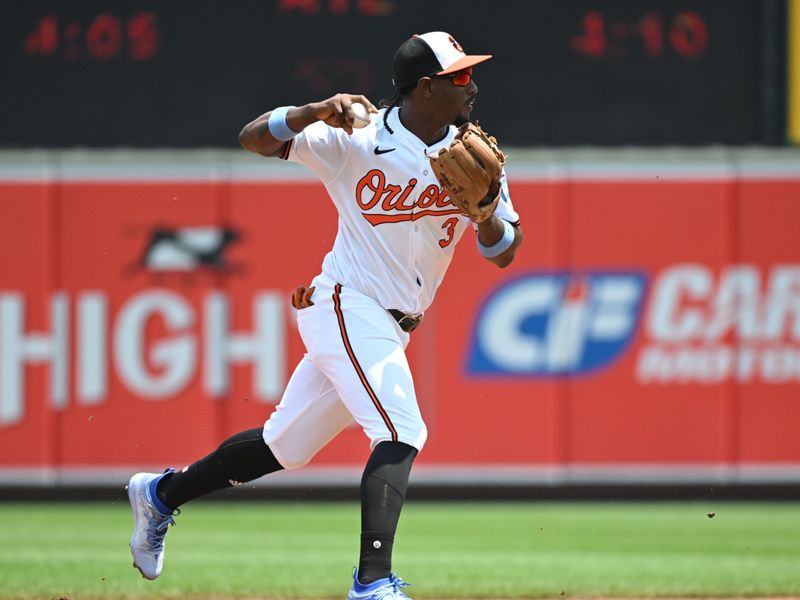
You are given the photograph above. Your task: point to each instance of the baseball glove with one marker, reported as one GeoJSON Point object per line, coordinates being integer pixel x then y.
{"type": "Point", "coordinates": [469, 170]}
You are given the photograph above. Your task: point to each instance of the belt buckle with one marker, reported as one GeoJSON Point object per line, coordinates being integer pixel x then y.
{"type": "Point", "coordinates": [409, 323]}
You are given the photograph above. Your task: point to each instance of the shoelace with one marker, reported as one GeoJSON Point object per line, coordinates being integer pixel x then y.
{"type": "Point", "coordinates": [155, 535]}
{"type": "Point", "coordinates": [393, 591]}
{"type": "Point", "coordinates": [397, 582]}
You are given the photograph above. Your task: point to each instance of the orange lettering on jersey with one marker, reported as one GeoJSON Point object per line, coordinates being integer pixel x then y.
{"type": "Point", "coordinates": [443, 199]}
{"type": "Point", "coordinates": [379, 218]}
{"type": "Point", "coordinates": [373, 188]}
{"type": "Point", "coordinates": [428, 197]}
{"type": "Point", "coordinates": [374, 181]}
{"type": "Point", "coordinates": [389, 203]}
{"type": "Point", "coordinates": [390, 193]}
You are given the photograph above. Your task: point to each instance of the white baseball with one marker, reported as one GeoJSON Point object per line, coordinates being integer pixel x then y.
{"type": "Point", "coordinates": [362, 115]}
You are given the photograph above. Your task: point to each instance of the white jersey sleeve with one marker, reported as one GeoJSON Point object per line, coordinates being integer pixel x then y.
{"type": "Point", "coordinates": [321, 148]}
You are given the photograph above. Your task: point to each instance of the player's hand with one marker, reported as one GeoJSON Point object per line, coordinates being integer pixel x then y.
{"type": "Point", "coordinates": [336, 111]}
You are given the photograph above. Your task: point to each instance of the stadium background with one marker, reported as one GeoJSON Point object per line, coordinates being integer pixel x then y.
{"type": "Point", "coordinates": [647, 335]}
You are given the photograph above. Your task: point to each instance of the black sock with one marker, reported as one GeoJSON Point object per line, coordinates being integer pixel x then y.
{"type": "Point", "coordinates": [239, 459]}
{"type": "Point", "coordinates": [383, 490]}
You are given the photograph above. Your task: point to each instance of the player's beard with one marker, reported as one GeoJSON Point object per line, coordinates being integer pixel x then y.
{"type": "Point", "coordinates": [460, 120]}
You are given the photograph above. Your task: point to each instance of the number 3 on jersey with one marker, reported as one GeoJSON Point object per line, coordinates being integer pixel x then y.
{"type": "Point", "coordinates": [450, 227]}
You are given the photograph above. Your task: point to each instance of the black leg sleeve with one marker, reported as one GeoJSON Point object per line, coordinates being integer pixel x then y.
{"type": "Point", "coordinates": [383, 490]}
{"type": "Point", "coordinates": [239, 459]}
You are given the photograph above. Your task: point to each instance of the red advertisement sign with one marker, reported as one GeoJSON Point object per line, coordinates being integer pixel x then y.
{"type": "Point", "coordinates": [643, 323]}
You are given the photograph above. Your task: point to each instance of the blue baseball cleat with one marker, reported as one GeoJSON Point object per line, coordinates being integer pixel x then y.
{"type": "Point", "coordinates": [150, 522]}
{"type": "Point", "coordinates": [382, 589]}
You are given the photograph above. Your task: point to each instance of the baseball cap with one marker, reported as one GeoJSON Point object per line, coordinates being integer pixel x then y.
{"type": "Point", "coordinates": [436, 52]}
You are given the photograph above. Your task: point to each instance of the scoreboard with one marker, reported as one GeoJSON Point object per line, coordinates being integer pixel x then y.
{"type": "Point", "coordinates": [180, 73]}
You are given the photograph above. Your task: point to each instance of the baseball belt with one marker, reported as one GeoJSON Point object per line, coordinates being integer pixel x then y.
{"type": "Point", "coordinates": [408, 323]}
{"type": "Point", "coordinates": [301, 298]}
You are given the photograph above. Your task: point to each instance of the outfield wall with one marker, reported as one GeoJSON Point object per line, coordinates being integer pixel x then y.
{"type": "Point", "coordinates": [649, 330]}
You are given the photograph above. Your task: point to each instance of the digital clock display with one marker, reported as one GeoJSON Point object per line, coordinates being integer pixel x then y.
{"type": "Point", "coordinates": [685, 34]}
{"type": "Point", "coordinates": [105, 37]}
{"type": "Point", "coordinates": [184, 73]}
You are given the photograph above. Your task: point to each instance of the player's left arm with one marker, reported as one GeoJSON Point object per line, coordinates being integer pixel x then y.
{"type": "Point", "coordinates": [500, 235]}
{"type": "Point", "coordinates": [491, 231]}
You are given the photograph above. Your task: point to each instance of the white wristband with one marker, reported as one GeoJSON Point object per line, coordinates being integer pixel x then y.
{"type": "Point", "coordinates": [501, 245]}
{"type": "Point", "coordinates": [277, 124]}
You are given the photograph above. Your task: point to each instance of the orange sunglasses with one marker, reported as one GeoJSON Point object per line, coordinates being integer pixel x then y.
{"type": "Point", "coordinates": [459, 78]}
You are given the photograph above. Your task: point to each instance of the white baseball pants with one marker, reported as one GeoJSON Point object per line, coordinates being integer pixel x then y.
{"type": "Point", "coordinates": [355, 369]}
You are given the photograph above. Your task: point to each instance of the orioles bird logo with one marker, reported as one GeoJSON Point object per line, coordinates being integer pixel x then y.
{"type": "Point", "coordinates": [456, 45]}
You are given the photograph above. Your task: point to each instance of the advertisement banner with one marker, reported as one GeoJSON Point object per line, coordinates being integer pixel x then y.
{"type": "Point", "coordinates": [644, 322]}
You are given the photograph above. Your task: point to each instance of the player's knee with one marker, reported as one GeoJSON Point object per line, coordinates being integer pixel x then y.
{"type": "Point", "coordinates": [290, 459]}
{"type": "Point", "coordinates": [294, 461]}
{"type": "Point", "coordinates": [289, 455]}
{"type": "Point", "coordinates": [415, 436]}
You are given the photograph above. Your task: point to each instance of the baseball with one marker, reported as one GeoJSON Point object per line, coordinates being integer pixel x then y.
{"type": "Point", "coordinates": [362, 116]}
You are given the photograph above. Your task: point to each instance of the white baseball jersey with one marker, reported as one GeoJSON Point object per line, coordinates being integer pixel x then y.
{"type": "Point", "coordinates": [397, 233]}
{"type": "Point", "coordinates": [397, 228]}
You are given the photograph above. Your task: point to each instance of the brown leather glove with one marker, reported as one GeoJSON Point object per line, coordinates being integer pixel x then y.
{"type": "Point", "coordinates": [469, 170]}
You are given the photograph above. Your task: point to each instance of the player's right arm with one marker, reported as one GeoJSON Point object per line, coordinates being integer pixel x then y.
{"type": "Point", "coordinates": [335, 111]}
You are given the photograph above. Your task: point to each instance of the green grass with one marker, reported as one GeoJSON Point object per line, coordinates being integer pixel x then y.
{"type": "Point", "coordinates": [446, 550]}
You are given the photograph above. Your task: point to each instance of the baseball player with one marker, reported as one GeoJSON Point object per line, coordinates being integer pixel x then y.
{"type": "Point", "coordinates": [398, 229]}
